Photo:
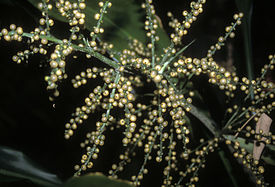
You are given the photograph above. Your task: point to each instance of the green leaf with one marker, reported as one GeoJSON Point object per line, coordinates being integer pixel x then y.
{"type": "Point", "coordinates": [4, 178]}
{"type": "Point", "coordinates": [6, 2]}
{"type": "Point", "coordinates": [228, 167]}
{"type": "Point", "coordinates": [164, 40]}
{"type": "Point", "coordinates": [123, 21]}
{"type": "Point", "coordinates": [95, 180]}
{"type": "Point", "coordinates": [248, 145]}
{"type": "Point", "coordinates": [206, 121]}
{"type": "Point", "coordinates": [246, 6]}
{"type": "Point", "coordinates": [14, 164]}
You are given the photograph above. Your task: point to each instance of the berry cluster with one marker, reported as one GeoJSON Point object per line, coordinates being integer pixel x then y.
{"type": "Point", "coordinates": [157, 122]}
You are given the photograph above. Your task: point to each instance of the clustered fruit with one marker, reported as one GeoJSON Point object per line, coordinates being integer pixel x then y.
{"type": "Point", "coordinates": [159, 127]}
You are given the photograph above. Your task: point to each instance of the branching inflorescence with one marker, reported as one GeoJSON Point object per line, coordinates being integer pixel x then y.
{"type": "Point", "coordinates": [159, 127]}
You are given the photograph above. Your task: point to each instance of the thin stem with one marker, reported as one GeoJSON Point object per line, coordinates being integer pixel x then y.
{"type": "Point", "coordinates": [102, 128]}
{"type": "Point", "coordinates": [100, 18]}
{"type": "Point", "coordinates": [160, 130]}
{"type": "Point", "coordinates": [213, 51]}
{"type": "Point", "coordinates": [245, 124]}
{"type": "Point", "coordinates": [169, 155]}
{"type": "Point", "coordinates": [209, 124]}
{"type": "Point", "coordinates": [174, 57]}
{"type": "Point", "coordinates": [231, 118]}
{"type": "Point", "coordinates": [170, 48]}
{"type": "Point", "coordinates": [129, 151]}
{"type": "Point", "coordinates": [146, 157]}
{"type": "Point", "coordinates": [78, 48]}
{"type": "Point", "coordinates": [149, 15]}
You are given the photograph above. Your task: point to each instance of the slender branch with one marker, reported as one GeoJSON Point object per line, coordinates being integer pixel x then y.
{"type": "Point", "coordinates": [91, 52]}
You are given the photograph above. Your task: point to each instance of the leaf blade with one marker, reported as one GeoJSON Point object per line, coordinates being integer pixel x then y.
{"type": "Point", "coordinates": [15, 164]}
{"type": "Point", "coordinates": [95, 180]}
{"type": "Point", "coordinates": [249, 147]}
{"type": "Point", "coordinates": [120, 24]}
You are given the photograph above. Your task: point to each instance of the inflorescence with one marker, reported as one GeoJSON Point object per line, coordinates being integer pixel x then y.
{"type": "Point", "coordinates": [160, 127]}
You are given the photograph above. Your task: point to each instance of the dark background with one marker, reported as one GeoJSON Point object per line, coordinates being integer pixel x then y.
{"type": "Point", "coordinates": [29, 123]}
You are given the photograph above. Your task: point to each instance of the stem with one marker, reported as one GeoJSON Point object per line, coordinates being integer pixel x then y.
{"type": "Point", "coordinates": [170, 48]}
{"type": "Point", "coordinates": [149, 14]}
{"type": "Point", "coordinates": [231, 118]}
{"type": "Point", "coordinates": [146, 157]}
{"type": "Point", "coordinates": [91, 52]}
{"type": "Point", "coordinates": [169, 161]}
{"type": "Point", "coordinates": [245, 124]}
{"type": "Point", "coordinates": [160, 130]}
{"type": "Point", "coordinates": [101, 18]}
{"type": "Point", "coordinates": [208, 123]}
{"type": "Point", "coordinates": [102, 128]}
{"type": "Point", "coordinates": [175, 56]}
{"type": "Point", "coordinates": [124, 162]}
{"type": "Point", "coordinates": [225, 37]}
